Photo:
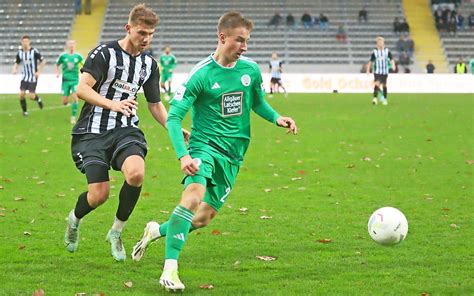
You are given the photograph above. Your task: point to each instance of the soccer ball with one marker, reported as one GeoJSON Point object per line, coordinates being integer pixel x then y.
{"type": "Point", "coordinates": [388, 226]}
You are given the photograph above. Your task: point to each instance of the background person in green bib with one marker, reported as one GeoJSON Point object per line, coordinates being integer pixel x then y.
{"type": "Point", "coordinates": [168, 63]}
{"type": "Point", "coordinates": [221, 91]}
{"type": "Point", "coordinates": [70, 62]}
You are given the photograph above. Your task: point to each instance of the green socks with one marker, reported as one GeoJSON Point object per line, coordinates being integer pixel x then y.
{"type": "Point", "coordinates": [74, 108]}
{"type": "Point", "coordinates": [177, 232]}
{"type": "Point", "coordinates": [164, 228]}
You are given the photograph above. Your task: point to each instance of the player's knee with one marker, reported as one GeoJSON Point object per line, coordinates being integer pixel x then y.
{"type": "Point", "coordinates": [98, 194]}
{"type": "Point", "coordinates": [192, 196]}
{"type": "Point", "coordinates": [135, 177]}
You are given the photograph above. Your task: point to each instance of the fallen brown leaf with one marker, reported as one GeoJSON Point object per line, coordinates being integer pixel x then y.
{"type": "Point", "coordinates": [7, 180]}
{"type": "Point", "coordinates": [19, 198]}
{"type": "Point", "coordinates": [26, 233]}
{"type": "Point", "coordinates": [216, 232]}
{"type": "Point", "coordinates": [145, 194]}
{"type": "Point", "coordinates": [164, 212]}
{"type": "Point", "coordinates": [454, 226]}
{"type": "Point", "coordinates": [266, 217]}
{"type": "Point", "coordinates": [2, 209]}
{"type": "Point", "coordinates": [243, 209]}
{"type": "Point", "coordinates": [470, 161]}
{"type": "Point", "coordinates": [325, 240]}
{"type": "Point", "coordinates": [21, 247]}
{"type": "Point", "coordinates": [296, 178]}
{"type": "Point", "coordinates": [267, 190]}
{"type": "Point", "coordinates": [60, 194]}
{"type": "Point", "coordinates": [40, 182]}
{"type": "Point", "coordinates": [2, 215]}
{"type": "Point", "coordinates": [128, 284]}
{"type": "Point", "coordinates": [266, 258]}
{"type": "Point", "coordinates": [366, 158]}
{"type": "Point", "coordinates": [32, 221]}
{"type": "Point", "coordinates": [206, 286]}
{"type": "Point", "coordinates": [301, 172]}
{"type": "Point", "coordinates": [1, 187]}
{"type": "Point", "coordinates": [350, 166]}
{"type": "Point", "coordinates": [445, 209]}
{"type": "Point", "coordinates": [425, 294]}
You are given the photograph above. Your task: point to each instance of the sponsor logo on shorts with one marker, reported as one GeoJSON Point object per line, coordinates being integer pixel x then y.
{"type": "Point", "coordinates": [125, 87]}
{"type": "Point", "coordinates": [232, 104]}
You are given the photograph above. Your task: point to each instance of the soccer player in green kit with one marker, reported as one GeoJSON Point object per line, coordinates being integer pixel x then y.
{"type": "Point", "coordinates": [221, 90]}
{"type": "Point", "coordinates": [70, 63]}
{"type": "Point", "coordinates": [168, 63]}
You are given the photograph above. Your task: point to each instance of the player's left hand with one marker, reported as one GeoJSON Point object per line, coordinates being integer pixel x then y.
{"type": "Point", "coordinates": [186, 135]}
{"type": "Point", "coordinates": [37, 74]}
{"type": "Point", "coordinates": [289, 123]}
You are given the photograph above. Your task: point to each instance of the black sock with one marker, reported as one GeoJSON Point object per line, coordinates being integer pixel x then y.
{"type": "Point", "coordinates": [82, 206]}
{"type": "Point", "coordinates": [23, 105]}
{"type": "Point", "coordinates": [376, 91]}
{"type": "Point", "coordinates": [127, 200]}
{"type": "Point", "coordinates": [385, 92]}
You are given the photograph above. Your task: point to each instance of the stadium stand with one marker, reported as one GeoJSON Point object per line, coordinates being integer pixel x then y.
{"type": "Point", "coordinates": [47, 22]}
{"type": "Point", "coordinates": [189, 28]}
{"type": "Point", "coordinates": [461, 43]}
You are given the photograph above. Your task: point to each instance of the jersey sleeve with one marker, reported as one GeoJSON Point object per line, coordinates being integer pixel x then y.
{"type": "Point", "coordinates": [59, 60]}
{"type": "Point", "coordinates": [151, 87]}
{"type": "Point", "coordinates": [38, 55]}
{"type": "Point", "coordinates": [175, 62]}
{"type": "Point", "coordinates": [182, 101]}
{"type": "Point", "coordinates": [96, 65]}
{"type": "Point", "coordinates": [260, 105]}
{"type": "Point", "coordinates": [17, 58]}
{"type": "Point", "coordinates": [372, 57]}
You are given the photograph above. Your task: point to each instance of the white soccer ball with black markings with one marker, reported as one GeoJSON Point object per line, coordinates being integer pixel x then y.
{"type": "Point", "coordinates": [388, 226]}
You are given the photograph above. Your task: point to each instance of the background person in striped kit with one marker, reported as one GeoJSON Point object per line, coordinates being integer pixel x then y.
{"type": "Point", "coordinates": [106, 134]}
{"type": "Point", "coordinates": [32, 64]}
{"type": "Point", "coordinates": [382, 61]}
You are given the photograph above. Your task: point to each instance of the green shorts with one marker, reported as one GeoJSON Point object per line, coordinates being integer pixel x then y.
{"type": "Point", "coordinates": [68, 87]}
{"type": "Point", "coordinates": [166, 76]}
{"type": "Point", "coordinates": [219, 176]}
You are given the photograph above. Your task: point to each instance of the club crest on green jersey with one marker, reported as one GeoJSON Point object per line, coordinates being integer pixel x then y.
{"type": "Point", "coordinates": [232, 104]}
{"type": "Point", "coordinates": [245, 79]}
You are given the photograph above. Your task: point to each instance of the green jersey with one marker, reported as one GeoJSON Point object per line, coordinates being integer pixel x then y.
{"type": "Point", "coordinates": [221, 99]}
{"type": "Point", "coordinates": [70, 64]}
{"type": "Point", "coordinates": [167, 62]}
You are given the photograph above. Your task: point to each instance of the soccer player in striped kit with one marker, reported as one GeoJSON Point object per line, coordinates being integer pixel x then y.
{"type": "Point", "coordinates": [106, 134]}
{"type": "Point", "coordinates": [382, 61]}
{"type": "Point", "coordinates": [32, 64]}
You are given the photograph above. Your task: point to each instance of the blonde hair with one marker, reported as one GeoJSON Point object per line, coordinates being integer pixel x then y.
{"type": "Point", "coordinates": [232, 20]}
{"type": "Point", "coordinates": [379, 38]}
{"type": "Point", "coordinates": [141, 14]}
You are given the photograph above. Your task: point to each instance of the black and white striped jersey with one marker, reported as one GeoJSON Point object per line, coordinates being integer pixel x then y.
{"type": "Point", "coordinates": [381, 59]}
{"type": "Point", "coordinates": [118, 76]}
{"type": "Point", "coordinates": [29, 59]}
{"type": "Point", "coordinates": [275, 67]}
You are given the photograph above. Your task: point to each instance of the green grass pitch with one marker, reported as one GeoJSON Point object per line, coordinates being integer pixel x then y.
{"type": "Point", "coordinates": [349, 159]}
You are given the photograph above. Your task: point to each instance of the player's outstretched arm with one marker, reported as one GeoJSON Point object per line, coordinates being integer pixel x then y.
{"type": "Point", "coordinates": [88, 94]}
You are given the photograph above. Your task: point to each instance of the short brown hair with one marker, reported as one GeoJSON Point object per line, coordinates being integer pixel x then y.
{"type": "Point", "coordinates": [232, 20]}
{"type": "Point", "coordinates": [141, 14]}
{"type": "Point", "coordinates": [25, 37]}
